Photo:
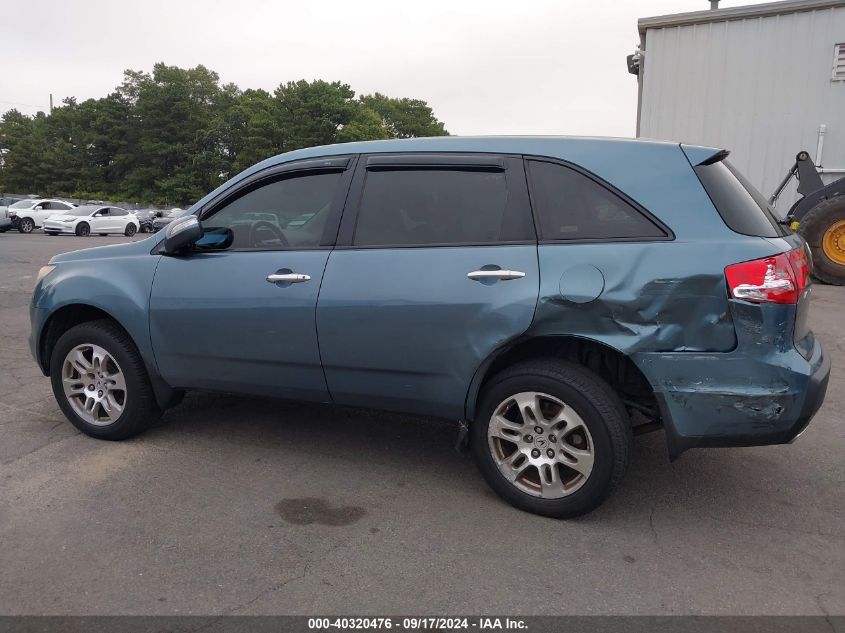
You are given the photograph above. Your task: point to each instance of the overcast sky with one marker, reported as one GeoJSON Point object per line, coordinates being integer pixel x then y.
{"type": "Point", "coordinates": [485, 66]}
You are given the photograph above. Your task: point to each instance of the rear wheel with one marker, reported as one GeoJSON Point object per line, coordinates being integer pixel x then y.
{"type": "Point", "coordinates": [824, 229]}
{"type": "Point", "coordinates": [130, 230]}
{"type": "Point", "coordinates": [551, 437]}
{"type": "Point", "coordinates": [100, 382]}
{"type": "Point", "coordinates": [26, 225]}
{"type": "Point", "coordinates": [83, 229]}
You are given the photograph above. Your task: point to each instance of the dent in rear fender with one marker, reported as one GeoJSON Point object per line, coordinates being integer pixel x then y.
{"type": "Point", "coordinates": [119, 288]}
{"type": "Point", "coordinates": [655, 296]}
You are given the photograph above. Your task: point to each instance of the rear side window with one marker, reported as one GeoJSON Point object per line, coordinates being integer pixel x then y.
{"type": "Point", "coordinates": [742, 207]}
{"type": "Point", "coordinates": [572, 206]}
{"type": "Point", "coordinates": [431, 206]}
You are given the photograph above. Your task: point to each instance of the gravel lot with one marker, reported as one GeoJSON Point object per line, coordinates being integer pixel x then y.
{"type": "Point", "coordinates": [241, 505]}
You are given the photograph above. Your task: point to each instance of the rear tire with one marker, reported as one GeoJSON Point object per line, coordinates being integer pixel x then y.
{"type": "Point", "coordinates": [83, 229]}
{"type": "Point", "coordinates": [130, 230]}
{"type": "Point", "coordinates": [139, 408]}
{"type": "Point", "coordinates": [825, 217]}
{"type": "Point", "coordinates": [26, 225]}
{"type": "Point", "coordinates": [596, 408]}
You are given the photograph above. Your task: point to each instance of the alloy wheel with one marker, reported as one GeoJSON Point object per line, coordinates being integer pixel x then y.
{"type": "Point", "coordinates": [540, 445]}
{"type": "Point", "coordinates": [94, 384]}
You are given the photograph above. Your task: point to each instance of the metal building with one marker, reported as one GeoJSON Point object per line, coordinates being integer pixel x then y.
{"type": "Point", "coordinates": [763, 81]}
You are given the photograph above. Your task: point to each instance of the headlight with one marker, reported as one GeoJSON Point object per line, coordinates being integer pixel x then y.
{"type": "Point", "coordinates": [45, 270]}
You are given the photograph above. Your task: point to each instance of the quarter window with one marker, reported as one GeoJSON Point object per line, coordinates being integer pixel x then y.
{"type": "Point", "coordinates": [287, 213]}
{"type": "Point", "coordinates": [431, 206]}
{"type": "Point", "coordinates": [571, 206]}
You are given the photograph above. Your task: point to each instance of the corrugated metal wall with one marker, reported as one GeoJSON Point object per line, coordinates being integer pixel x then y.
{"type": "Point", "coordinates": [759, 87]}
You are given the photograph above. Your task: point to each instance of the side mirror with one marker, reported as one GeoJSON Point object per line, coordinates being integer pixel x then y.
{"type": "Point", "coordinates": [180, 234]}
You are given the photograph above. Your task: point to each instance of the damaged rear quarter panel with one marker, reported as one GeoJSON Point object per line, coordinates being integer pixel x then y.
{"type": "Point", "coordinates": [721, 367]}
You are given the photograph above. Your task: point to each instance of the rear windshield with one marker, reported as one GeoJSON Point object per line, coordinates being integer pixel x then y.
{"type": "Point", "coordinates": [742, 207]}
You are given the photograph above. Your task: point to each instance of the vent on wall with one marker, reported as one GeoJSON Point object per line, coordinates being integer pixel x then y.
{"type": "Point", "coordinates": [838, 63]}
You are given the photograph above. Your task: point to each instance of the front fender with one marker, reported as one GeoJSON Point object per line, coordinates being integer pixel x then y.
{"type": "Point", "coordinates": [121, 291]}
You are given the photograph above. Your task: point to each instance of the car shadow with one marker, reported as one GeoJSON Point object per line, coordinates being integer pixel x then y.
{"type": "Point", "coordinates": [425, 448]}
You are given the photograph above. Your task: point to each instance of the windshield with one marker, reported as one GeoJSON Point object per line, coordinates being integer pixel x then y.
{"type": "Point", "coordinates": [23, 204]}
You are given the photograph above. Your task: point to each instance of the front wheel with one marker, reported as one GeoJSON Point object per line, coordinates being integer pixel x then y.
{"type": "Point", "coordinates": [100, 382]}
{"type": "Point", "coordinates": [26, 225]}
{"type": "Point", "coordinates": [82, 229]}
{"type": "Point", "coordinates": [130, 230]}
{"type": "Point", "coordinates": [551, 437]}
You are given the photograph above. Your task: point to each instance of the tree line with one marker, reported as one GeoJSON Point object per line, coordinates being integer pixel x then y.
{"type": "Point", "coordinates": [170, 136]}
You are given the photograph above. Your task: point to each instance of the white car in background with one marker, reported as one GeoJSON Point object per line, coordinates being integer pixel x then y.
{"type": "Point", "coordinates": [100, 219]}
{"type": "Point", "coordinates": [27, 215]}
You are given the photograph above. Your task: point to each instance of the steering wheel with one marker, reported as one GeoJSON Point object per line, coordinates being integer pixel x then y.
{"type": "Point", "coordinates": [264, 224]}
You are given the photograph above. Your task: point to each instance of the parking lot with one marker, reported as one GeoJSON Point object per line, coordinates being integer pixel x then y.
{"type": "Point", "coordinates": [238, 505]}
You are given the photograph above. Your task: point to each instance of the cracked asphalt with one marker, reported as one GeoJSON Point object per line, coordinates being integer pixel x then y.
{"type": "Point", "coordinates": [244, 506]}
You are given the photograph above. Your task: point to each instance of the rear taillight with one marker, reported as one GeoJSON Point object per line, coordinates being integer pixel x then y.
{"type": "Point", "coordinates": [777, 279]}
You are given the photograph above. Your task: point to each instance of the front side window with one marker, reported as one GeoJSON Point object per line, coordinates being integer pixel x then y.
{"type": "Point", "coordinates": [414, 207]}
{"type": "Point", "coordinates": [288, 213]}
{"type": "Point", "coordinates": [571, 206]}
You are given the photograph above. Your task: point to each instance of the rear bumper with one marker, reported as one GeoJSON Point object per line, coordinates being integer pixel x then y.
{"type": "Point", "coordinates": [717, 400]}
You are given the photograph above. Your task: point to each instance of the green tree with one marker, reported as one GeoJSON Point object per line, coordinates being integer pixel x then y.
{"type": "Point", "coordinates": [404, 118]}
{"type": "Point", "coordinates": [366, 125]}
{"type": "Point", "coordinates": [173, 134]}
{"type": "Point", "coordinates": [313, 113]}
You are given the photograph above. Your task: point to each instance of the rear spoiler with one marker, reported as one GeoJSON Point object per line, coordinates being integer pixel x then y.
{"type": "Point", "coordinates": [697, 155]}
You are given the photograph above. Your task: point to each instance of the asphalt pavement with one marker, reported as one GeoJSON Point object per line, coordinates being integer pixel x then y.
{"type": "Point", "coordinates": [240, 505]}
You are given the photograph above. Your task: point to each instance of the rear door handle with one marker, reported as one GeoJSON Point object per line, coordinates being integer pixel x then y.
{"type": "Point", "coordinates": [291, 278]}
{"type": "Point", "coordinates": [504, 275]}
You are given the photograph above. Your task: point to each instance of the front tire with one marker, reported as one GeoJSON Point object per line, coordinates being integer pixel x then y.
{"type": "Point", "coordinates": [130, 230]}
{"type": "Point", "coordinates": [83, 229]}
{"type": "Point", "coordinates": [551, 438]}
{"type": "Point", "coordinates": [100, 381]}
{"type": "Point", "coordinates": [26, 225]}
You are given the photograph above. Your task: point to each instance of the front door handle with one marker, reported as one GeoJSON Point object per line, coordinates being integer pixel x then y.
{"type": "Point", "coordinates": [504, 275]}
{"type": "Point", "coordinates": [291, 278]}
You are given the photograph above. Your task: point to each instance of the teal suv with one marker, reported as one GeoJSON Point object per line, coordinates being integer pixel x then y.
{"type": "Point", "coordinates": [553, 296]}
